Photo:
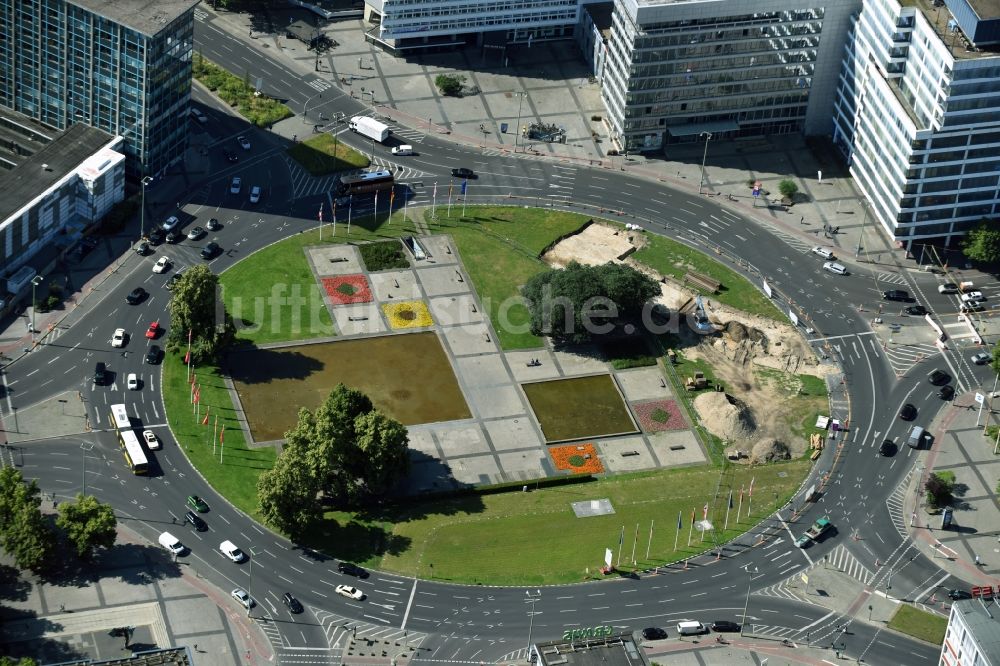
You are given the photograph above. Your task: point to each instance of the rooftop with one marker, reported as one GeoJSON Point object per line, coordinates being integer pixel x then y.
{"type": "Point", "coordinates": [982, 617]}
{"type": "Point", "coordinates": [601, 13]}
{"type": "Point", "coordinates": [146, 16]}
{"type": "Point", "coordinates": [48, 165]}
{"type": "Point", "coordinates": [955, 40]}
{"type": "Point", "coordinates": [612, 650]}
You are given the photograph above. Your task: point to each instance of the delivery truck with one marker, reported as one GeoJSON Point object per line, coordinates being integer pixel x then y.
{"type": "Point", "coordinates": [370, 128]}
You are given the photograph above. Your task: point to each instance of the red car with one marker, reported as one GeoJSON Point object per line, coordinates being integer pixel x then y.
{"type": "Point", "coordinates": [153, 330]}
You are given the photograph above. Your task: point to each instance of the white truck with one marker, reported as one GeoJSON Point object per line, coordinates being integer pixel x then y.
{"type": "Point", "coordinates": [370, 128]}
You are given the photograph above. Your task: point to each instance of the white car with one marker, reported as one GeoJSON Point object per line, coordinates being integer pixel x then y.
{"type": "Point", "coordinates": [170, 223]}
{"type": "Point", "coordinates": [236, 185]}
{"type": "Point", "coordinates": [350, 592]}
{"type": "Point", "coordinates": [241, 596]}
{"type": "Point", "coordinates": [823, 252]}
{"type": "Point", "coordinates": [970, 296]}
{"type": "Point", "coordinates": [132, 381]}
{"type": "Point", "coordinates": [244, 142]}
{"type": "Point", "coordinates": [161, 265]}
{"type": "Point", "coordinates": [255, 194]}
{"type": "Point", "coordinates": [118, 339]}
{"type": "Point", "coordinates": [152, 441]}
{"type": "Point", "coordinates": [230, 550]}
{"type": "Point", "coordinates": [982, 358]}
{"type": "Point", "coordinates": [834, 267]}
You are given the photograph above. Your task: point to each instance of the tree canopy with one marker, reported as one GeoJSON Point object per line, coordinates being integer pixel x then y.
{"type": "Point", "coordinates": [983, 242]}
{"type": "Point", "coordinates": [578, 302]}
{"type": "Point", "coordinates": [24, 533]}
{"type": "Point", "coordinates": [196, 307]}
{"type": "Point", "coordinates": [88, 524]}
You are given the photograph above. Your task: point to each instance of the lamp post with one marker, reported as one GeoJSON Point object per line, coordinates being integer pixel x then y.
{"type": "Point", "coordinates": [517, 127]}
{"type": "Point", "coordinates": [305, 108]}
{"type": "Point", "coordinates": [746, 604]}
{"type": "Point", "coordinates": [35, 281]}
{"type": "Point", "coordinates": [531, 599]}
{"type": "Point", "coordinates": [86, 447]}
{"type": "Point", "coordinates": [142, 210]}
{"type": "Point", "coordinates": [857, 251]}
{"type": "Point", "coordinates": [708, 137]}
{"type": "Point", "coordinates": [253, 555]}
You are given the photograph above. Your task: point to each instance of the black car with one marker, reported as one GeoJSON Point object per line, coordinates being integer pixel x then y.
{"type": "Point", "coordinates": [938, 377]}
{"type": "Point", "coordinates": [462, 172]}
{"type": "Point", "coordinates": [156, 236]}
{"type": "Point", "coordinates": [916, 310]}
{"type": "Point", "coordinates": [896, 295]}
{"type": "Point", "coordinates": [946, 392]}
{"type": "Point", "coordinates": [142, 249]}
{"type": "Point", "coordinates": [196, 521]}
{"type": "Point", "coordinates": [213, 225]}
{"type": "Point", "coordinates": [174, 236]}
{"type": "Point", "coordinates": [153, 354]}
{"type": "Point", "coordinates": [174, 279]}
{"type": "Point", "coordinates": [653, 634]}
{"type": "Point", "coordinates": [135, 296]}
{"type": "Point", "coordinates": [351, 569]}
{"type": "Point", "coordinates": [887, 448]}
{"type": "Point", "coordinates": [725, 625]}
{"type": "Point", "coordinates": [210, 250]}
{"type": "Point", "coordinates": [291, 602]}
{"type": "Point", "coordinates": [958, 595]}
{"type": "Point", "coordinates": [100, 374]}
{"type": "Point", "coordinates": [908, 412]}
{"type": "Point", "coordinates": [230, 155]}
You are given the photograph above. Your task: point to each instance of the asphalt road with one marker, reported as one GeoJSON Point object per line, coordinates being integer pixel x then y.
{"type": "Point", "coordinates": [456, 622]}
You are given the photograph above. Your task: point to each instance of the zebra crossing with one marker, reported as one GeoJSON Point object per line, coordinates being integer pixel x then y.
{"type": "Point", "coordinates": [891, 278]}
{"type": "Point", "coordinates": [794, 589]}
{"type": "Point", "coordinates": [896, 503]}
{"type": "Point", "coordinates": [794, 242]}
{"type": "Point", "coordinates": [344, 635]}
{"type": "Point", "coordinates": [840, 558]}
{"type": "Point", "coordinates": [305, 184]}
{"type": "Point", "coordinates": [200, 15]}
{"type": "Point", "coordinates": [319, 84]}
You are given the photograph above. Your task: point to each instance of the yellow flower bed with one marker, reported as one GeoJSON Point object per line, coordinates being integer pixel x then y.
{"type": "Point", "coordinates": [408, 314]}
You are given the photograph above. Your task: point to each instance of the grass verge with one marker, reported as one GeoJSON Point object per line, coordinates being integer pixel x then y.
{"type": "Point", "coordinates": [919, 624]}
{"type": "Point", "coordinates": [236, 92]}
{"type": "Point", "coordinates": [323, 154]}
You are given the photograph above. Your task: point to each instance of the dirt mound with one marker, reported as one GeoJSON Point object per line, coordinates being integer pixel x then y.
{"type": "Point", "coordinates": [768, 450]}
{"type": "Point", "coordinates": [724, 416]}
{"type": "Point", "coordinates": [595, 245]}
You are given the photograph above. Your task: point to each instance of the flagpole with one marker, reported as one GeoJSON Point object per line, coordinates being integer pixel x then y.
{"type": "Point", "coordinates": [222, 442]}
{"type": "Point", "coordinates": [189, 363]}
{"type": "Point", "coordinates": [392, 199]}
{"type": "Point", "coordinates": [620, 540]}
{"type": "Point", "coordinates": [704, 519]}
{"type": "Point", "coordinates": [750, 496]}
{"type": "Point", "coordinates": [680, 525]}
{"type": "Point", "coordinates": [740, 509]}
{"type": "Point", "coordinates": [321, 221]}
{"type": "Point", "coordinates": [350, 203]}
{"type": "Point", "coordinates": [691, 529]}
{"type": "Point", "coordinates": [375, 214]}
{"type": "Point", "coordinates": [215, 434]}
{"type": "Point", "coordinates": [434, 202]}
{"type": "Point", "coordinates": [650, 542]}
{"type": "Point", "coordinates": [465, 194]}
{"type": "Point", "coordinates": [406, 199]}
{"type": "Point", "coordinates": [334, 205]}
{"type": "Point", "coordinates": [729, 508]}
{"type": "Point", "coordinates": [450, 186]}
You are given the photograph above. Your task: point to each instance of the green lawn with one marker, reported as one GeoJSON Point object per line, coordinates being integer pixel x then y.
{"type": "Point", "coordinates": [324, 154]}
{"type": "Point", "coordinates": [675, 259]}
{"type": "Point", "coordinates": [919, 624]}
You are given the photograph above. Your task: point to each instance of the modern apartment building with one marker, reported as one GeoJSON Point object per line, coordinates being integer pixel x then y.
{"type": "Point", "coordinates": [677, 69]}
{"type": "Point", "coordinates": [973, 634]}
{"type": "Point", "coordinates": [123, 66]}
{"type": "Point", "coordinates": [918, 115]}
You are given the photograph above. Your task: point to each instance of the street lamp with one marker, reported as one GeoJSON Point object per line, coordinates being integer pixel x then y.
{"type": "Point", "coordinates": [142, 211]}
{"type": "Point", "coordinates": [253, 556]}
{"type": "Point", "coordinates": [531, 599]}
{"type": "Point", "coordinates": [704, 156]}
{"type": "Point", "coordinates": [517, 127]}
{"type": "Point", "coordinates": [86, 447]}
{"type": "Point", "coordinates": [746, 604]}
{"type": "Point", "coordinates": [857, 251]}
{"type": "Point", "coordinates": [35, 281]}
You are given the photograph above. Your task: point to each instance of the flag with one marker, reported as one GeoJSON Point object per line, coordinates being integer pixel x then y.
{"type": "Point", "coordinates": [451, 186]}
{"type": "Point", "coordinates": [435, 191]}
{"type": "Point", "coordinates": [321, 212]}
{"type": "Point", "coordinates": [465, 185]}
{"type": "Point", "coordinates": [750, 492]}
{"type": "Point", "coordinates": [730, 499]}
{"type": "Point", "coordinates": [704, 513]}
{"type": "Point", "coordinates": [622, 537]}
{"type": "Point", "coordinates": [187, 358]}
{"type": "Point", "coordinates": [741, 494]}
{"type": "Point", "coordinates": [204, 421]}
{"type": "Point", "coordinates": [692, 516]}
{"type": "Point", "coordinates": [392, 197]}
{"type": "Point", "coordinates": [222, 434]}
{"type": "Point", "coordinates": [197, 394]}
{"type": "Point", "coordinates": [680, 521]}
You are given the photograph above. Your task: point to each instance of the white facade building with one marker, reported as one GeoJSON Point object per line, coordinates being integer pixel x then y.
{"type": "Point", "coordinates": [973, 634]}
{"type": "Point", "coordinates": [918, 118]}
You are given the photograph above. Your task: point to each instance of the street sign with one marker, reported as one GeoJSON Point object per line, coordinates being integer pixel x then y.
{"type": "Point", "coordinates": [607, 556]}
{"type": "Point", "coordinates": [805, 578]}
{"type": "Point", "coordinates": [980, 398]}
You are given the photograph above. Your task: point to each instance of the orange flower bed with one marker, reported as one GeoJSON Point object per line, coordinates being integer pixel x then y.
{"type": "Point", "coordinates": [577, 458]}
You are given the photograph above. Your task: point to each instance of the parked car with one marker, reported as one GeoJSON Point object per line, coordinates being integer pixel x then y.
{"type": "Point", "coordinates": [291, 603]}
{"type": "Point", "coordinates": [142, 248]}
{"type": "Point", "coordinates": [153, 354]}
{"type": "Point", "coordinates": [196, 233]}
{"type": "Point", "coordinates": [213, 224]}
{"type": "Point", "coordinates": [236, 185]}
{"type": "Point", "coordinates": [255, 194]}
{"type": "Point", "coordinates": [154, 330]}
{"type": "Point", "coordinates": [887, 448]}
{"type": "Point", "coordinates": [198, 115]}
{"type": "Point", "coordinates": [350, 592]}
{"type": "Point", "coordinates": [946, 392]}
{"type": "Point", "coordinates": [135, 296]}
{"type": "Point", "coordinates": [244, 142]}
{"type": "Point", "coordinates": [155, 236]}
{"type": "Point", "coordinates": [971, 306]}
{"type": "Point", "coordinates": [970, 296]}
{"type": "Point", "coordinates": [230, 550]}
{"type": "Point", "coordinates": [152, 441]}
{"type": "Point", "coordinates": [982, 358]}
{"type": "Point", "coordinates": [118, 338]}
{"type": "Point", "coordinates": [896, 295]}
{"type": "Point", "coordinates": [243, 598]}
{"type": "Point", "coordinates": [725, 625]}
{"type": "Point", "coordinates": [132, 381]}
{"type": "Point", "coordinates": [916, 310]}
{"type": "Point", "coordinates": [161, 265]}
{"type": "Point", "coordinates": [174, 236]}
{"type": "Point", "coordinates": [938, 377]}
{"type": "Point", "coordinates": [351, 569]}
{"type": "Point", "coordinates": [195, 520]}
{"type": "Point", "coordinates": [170, 223]}
{"type": "Point", "coordinates": [908, 412]}
{"type": "Point", "coordinates": [653, 634]}
{"type": "Point", "coordinates": [197, 503]}
{"type": "Point", "coordinates": [948, 288]}
{"type": "Point", "coordinates": [210, 250]}
{"type": "Point", "coordinates": [834, 267]}
{"type": "Point", "coordinates": [463, 172]}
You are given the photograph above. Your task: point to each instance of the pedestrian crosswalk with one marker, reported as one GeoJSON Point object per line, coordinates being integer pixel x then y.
{"type": "Point", "coordinates": [839, 559]}
{"type": "Point", "coordinates": [200, 15]}
{"type": "Point", "coordinates": [896, 503]}
{"type": "Point", "coordinates": [842, 560]}
{"type": "Point", "coordinates": [891, 278]}
{"type": "Point", "coordinates": [319, 84]}
{"type": "Point", "coordinates": [903, 357]}
{"type": "Point", "coordinates": [350, 637]}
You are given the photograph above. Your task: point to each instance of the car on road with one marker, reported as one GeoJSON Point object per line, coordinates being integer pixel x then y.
{"type": "Point", "coordinates": [230, 550]}
{"type": "Point", "coordinates": [152, 441]}
{"type": "Point", "coordinates": [463, 172]}
{"type": "Point", "coordinates": [946, 392]}
{"type": "Point", "coordinates": [958, 595]}
{"type": "Point", "coordinates": [350, 592]}
{"type": "Point", "coordinates": [351, 569]}
{"type": "Point", "coordinates": [971, 306]}
{"type": "Point", "coordinates": [198, 115]}
{"type": "Point", "coordinates": [154, 330]}
{"type": "Point", "coordinates": [174, 279]}
{"type": "Point", "coordinates": [118, 338]}
{"type": "Point", "coordinates": [213, 224]}
{"type": "Point", "coordinates": [938, 377]}
{"type": "Point", "coordinates": [170, 223]}
{"type": "Point", "coordinates": [142, 248]}
{"type": "Point", "coordinates": [823, 252]}
{"type": "Point", "coordinates": [725, 625]}
{"type": "Point", "coordinates": [241, 596]}
{"type": "Point", "coordinates": [153, 354]}
{"type": "Point", "coordinates": [236, 185]}
{"type": "Point", "coordinates": [195, 521]}
{"type": "Point", "coordinates": [908, 412]}
{"type": "Point", "coordinates": [244, 142]}
{"type": "Point", "coordinates": [155, 236]}
{"type": "Point", "coordinates": [135, 296]}
{"type": "Point", "coordinates": [132, 381]}
{"type": "Point", "coordinates": [834, 267]}
{"type": "Point", "coordinates": [982, 358]}
{"type": "Point", "coordinates": [896, 295]}
{"type": "Point", "coordinates": [161, 265]}
{"type": "Point", "coordinates": [196, 233]}
{"type": "Point", "coordinates": [291, 603]}
{"type": "Point", "coordinates": [653, 634]}
{"type": "Point", "coordinates": [803, 541]}
{"type": "Point", "coordinates": [174, 236]}
{"type": "Point", "coordinates": [100, 374]}
{"type": "Point", "coordinates": [255, 194]}
{"type": "Point", "coordinates": [887, 448]}
{"type": "Point", "coordinates": [197, 503]}
{"type": "Point", "coordinates": [916, 310]}
{"type": "Point", "coordinates": [172, 543]}
{"type": "Point", "coordinates": [948, 288]}
{"type": "Point", "coordinates": [972, 296]}
{"type": "Point", "coordinates": [210, 250]}
{"type": "Point", "coordinates": [230, 155]}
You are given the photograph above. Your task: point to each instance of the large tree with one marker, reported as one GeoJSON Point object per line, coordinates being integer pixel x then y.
{"type": "Point", "coordinates": [288, 494]}
{"type": "Point", "coordinates": [88, 524]}
{"type": "Point", "coordinates": [24, 533]}
{"type": "Point", "coordinates": [196, 308]}
{"type": "Point", "coordinates": [983, 242]}
{"type": "Point", "coordinates": [578, 302]}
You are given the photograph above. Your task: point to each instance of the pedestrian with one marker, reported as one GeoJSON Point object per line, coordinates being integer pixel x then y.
{"type": "Point", "coordinates": [977, 561]}
{"type": "Point", "coordinates": [802, 220]}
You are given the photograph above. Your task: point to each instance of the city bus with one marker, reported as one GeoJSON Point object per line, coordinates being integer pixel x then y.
{"type": "Point", "coordinates": [364, 183]}
{"type": "Point", "coordinates": [135, 457]}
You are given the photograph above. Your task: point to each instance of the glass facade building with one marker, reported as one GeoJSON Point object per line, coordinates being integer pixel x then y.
{"type": "Point", "coordinates": [123, 67]}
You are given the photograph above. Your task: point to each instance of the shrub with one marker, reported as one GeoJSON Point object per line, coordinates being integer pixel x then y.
{"type": "Point", "coordinates": [788, 188]}
{"type": "Point", "coordinates": [939, 487]}
{"type": "Point", "coordinates": [450, 84]}
{"type": "Point", "coordinates": [383, 256]}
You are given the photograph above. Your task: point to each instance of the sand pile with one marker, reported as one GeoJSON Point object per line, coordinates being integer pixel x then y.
{"type": "Point", "coordinates": [724, 416]}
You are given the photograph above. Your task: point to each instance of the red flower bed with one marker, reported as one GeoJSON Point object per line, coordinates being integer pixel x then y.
{"type": "Point", "coordinates": [346, 289]}
{"type": "Point", "coordinates": [577, 458]}
{"type": "Point", "coordinates": [658, 415]}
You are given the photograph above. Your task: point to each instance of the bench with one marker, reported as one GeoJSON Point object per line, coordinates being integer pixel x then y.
{"type": "Point", "coordinates": [703, 281]}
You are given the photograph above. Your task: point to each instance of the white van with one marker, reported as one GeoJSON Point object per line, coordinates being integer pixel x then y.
{"type": "Point", "coordinates": [823, 252]}
{"type": "Point", "coordinates": [834, 267]}
{"type": "Point", "coordinates": [915, 438]}
{"type": "Point", "coordinates": [171, 543]}
{"type": "Point", "coordinates": [690, 628]}
{"type": "Point", "coordinates": [404, 149]}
